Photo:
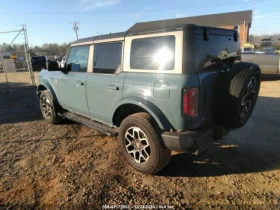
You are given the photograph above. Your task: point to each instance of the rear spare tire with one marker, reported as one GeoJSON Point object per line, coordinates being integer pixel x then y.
{"type": "Point", "coordinates": [243, 93]}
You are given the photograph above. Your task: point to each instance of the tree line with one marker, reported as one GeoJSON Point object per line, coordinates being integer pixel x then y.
{"type": "Point", "coordinates": [261, 41]}
{"type": "Point", "coordinates": [48, 49]}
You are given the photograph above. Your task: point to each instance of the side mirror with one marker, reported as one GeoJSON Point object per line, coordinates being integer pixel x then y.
{"type": "Point", "coordinates": [73, 67]}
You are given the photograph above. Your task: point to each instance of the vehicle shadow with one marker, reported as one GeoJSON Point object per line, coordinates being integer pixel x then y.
{"type": "Point", "coordinates": [14, 86]}
{"type": "Point", "coordinates": [251, 149]}
{"type": "Point", "coordinates": [270, 78]}
{"type": "Point", "coordinates": [19, 104]}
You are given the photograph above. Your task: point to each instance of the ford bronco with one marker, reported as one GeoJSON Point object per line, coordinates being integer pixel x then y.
{"type": "Point", "coordinates": [158, 86]}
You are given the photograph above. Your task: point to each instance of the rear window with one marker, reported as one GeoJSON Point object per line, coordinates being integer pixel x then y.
{"type": "Point", "coordinates": [217, 46]}
{"type": "Point", "coordinates": [153, 53]}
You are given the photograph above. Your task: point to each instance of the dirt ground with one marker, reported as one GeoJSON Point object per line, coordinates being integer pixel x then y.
{"type": "Point", "coordinates": [16, 79]}
{"type": "Point", "coordinates": [70, 166]}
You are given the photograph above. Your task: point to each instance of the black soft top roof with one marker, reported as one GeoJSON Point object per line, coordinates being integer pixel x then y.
{"type": "Point", "coordinates": [101, 37]}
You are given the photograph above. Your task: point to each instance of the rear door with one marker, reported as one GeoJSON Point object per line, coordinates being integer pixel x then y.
{"type": "Point", "coordinates": [105, 83]}
{"type": "Point", "coordinates": [72, 84]}
{"type": "Point", "coordinates": [209, 56]}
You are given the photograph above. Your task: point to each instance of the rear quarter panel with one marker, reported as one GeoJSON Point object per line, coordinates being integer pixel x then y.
{"type": "Point", "coordinates": [165, 92]}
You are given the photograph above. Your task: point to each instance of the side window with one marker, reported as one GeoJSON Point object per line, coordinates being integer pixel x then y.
{"type": "Point", "coordinates": [154, 53]}
{"type": "Point", "coordinates": [79, 55]}
{"type": "Point", "coordinates": [107, 57]}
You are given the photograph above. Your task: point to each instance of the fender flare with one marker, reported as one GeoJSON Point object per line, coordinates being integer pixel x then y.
{"type": "Point", "coordinates": [50, 89]}
{"type": "Point", "coordinates": [152, 109]}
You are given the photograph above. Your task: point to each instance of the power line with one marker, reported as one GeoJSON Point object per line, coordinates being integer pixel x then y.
{"type": "Point", "coordinates": [5, 32]}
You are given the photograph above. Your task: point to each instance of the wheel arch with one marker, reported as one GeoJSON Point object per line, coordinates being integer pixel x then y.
{"type": "Point", "coordinates": [47, 86]}
{"type": "Point", "coordinates": [135, 105]}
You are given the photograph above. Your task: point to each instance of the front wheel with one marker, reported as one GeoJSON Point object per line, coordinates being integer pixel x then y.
{"type": "Point", "coordinates": [142, 145]}
{"type": "Point", "coordinates": [48, 108]}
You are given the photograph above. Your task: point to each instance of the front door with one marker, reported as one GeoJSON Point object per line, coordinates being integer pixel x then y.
{"type": "Point", "coordinates": [72, 84]}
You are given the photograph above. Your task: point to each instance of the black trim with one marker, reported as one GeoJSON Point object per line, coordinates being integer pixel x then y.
{"type": "Point", "coordinates": [109, 131]}
{"type": "Point", "coordinates": [189, 50]}
{"type": "Point", "coordinates": [205, 34]}
{"type": "Point", "coordinates": [235, 36]}
{"type": "Point", "coordinates": [111, 36]}
{"type": "Point", "coordinates": [101, 37]}
{"type": "Point", "coordinates": [189, 141]}
{"type": "Point", "coordinates": [89, 39]}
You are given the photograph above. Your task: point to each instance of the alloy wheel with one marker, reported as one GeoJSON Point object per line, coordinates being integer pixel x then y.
{"type": "Point", "coordinates": [46, 107]}
{"type": "Point", "coordinates": [137, 145]}
{"type": "Point", "coordinates": [248, 99]}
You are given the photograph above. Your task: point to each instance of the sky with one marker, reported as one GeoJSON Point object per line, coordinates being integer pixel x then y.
{"type": "Point", "coordinates": [51, 21]}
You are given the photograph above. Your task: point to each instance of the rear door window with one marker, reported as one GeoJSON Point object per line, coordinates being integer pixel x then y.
{"type": "Point", "coordinates": [107, 57]}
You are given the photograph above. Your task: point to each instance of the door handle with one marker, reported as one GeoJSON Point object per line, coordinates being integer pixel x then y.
{"type": "Point", "coordinates": [113, 87]}
{"type": "Point", "coordinates": [80, 84]}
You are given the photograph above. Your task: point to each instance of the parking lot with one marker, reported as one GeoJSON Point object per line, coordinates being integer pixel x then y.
{"type": "Point", "coordinates": [72, 166]}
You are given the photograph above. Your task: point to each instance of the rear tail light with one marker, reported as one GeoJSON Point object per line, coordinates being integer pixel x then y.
{"type": "Point", "coordinates": [190, 100]}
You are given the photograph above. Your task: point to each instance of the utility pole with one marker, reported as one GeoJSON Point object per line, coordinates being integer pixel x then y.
{"type": "Point", "coordinates": [254, 10]}
{"type": "Point", "coordinates": [76, 28]}
{"type": "Point", "coordinates": [27, 55]}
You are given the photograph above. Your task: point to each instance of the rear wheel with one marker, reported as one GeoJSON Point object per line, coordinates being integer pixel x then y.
{"type": "Point", "coordinates": [142, 145]}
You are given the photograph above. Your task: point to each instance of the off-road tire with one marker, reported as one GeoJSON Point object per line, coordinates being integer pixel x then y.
{"type": "Point", "coordinates": [147, 127]}
{"type": "Point", "coordinates": [48, 108]}
{"type": "Point", "coordinates": [244, 88]}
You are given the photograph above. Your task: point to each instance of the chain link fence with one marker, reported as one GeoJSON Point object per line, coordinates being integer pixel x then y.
{"type": "Point", "coordinates": [15, 62]}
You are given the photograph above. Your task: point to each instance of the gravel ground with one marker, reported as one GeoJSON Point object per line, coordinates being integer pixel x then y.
{"type": "Point", "coordinates": [70, 166]}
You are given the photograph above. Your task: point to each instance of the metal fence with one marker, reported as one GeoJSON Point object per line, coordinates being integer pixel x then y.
{"type": "Point", "coordinates": [15, 62]}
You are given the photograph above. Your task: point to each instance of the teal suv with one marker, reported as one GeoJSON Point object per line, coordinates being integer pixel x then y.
{"type": "Point", "coordinates": [159, 89]}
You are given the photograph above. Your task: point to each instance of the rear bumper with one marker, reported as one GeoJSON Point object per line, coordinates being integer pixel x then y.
{"type": "Point", "coordinates": [189, 141]}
